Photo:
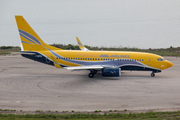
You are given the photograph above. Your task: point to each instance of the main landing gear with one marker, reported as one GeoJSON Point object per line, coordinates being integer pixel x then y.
{"type": "Point", "coordinates": [152, 74]}
{"type": "Point", "coordinates": [91, 75]}
{"type": "Point", "coordinates": [92, 72]}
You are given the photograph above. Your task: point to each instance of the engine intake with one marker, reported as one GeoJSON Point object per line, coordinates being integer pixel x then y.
{"type": "Point", "coordinates": [111, 72]}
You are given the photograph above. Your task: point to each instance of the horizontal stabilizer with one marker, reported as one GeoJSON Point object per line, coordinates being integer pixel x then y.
{"type": "Point", "coordinates": [56, 64]}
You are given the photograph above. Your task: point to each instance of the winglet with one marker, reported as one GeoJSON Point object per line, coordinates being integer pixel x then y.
{"type": "Point", "coordinates": [81, 45]}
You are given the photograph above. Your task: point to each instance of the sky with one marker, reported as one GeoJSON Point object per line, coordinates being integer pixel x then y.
{"type": "Point", "coordinates": [117, 23]}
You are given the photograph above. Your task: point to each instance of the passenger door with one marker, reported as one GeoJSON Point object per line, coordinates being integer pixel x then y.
{"type": "Point", "coordinates": [149, 61]}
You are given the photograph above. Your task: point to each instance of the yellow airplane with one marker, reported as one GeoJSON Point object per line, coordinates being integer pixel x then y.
{"type": "Point", "coordinates": [110, 63]}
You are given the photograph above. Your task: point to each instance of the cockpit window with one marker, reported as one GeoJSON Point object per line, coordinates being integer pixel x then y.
{"type": "Point", "coordinates": [160, 59]}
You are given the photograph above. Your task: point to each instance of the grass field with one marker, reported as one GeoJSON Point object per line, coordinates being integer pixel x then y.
{"type": "Point", "coordinates": [4, 50]}
{"type": "Point", "coordinates": [160, 51]}
{"type": "Point", "coordinates": [112, 116]}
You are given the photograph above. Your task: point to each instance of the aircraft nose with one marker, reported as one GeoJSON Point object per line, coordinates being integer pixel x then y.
{"type": "Point", "coordinates": [169, 64]}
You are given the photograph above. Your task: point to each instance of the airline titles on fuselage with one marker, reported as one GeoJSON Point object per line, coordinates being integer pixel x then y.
{"type": "Point", "coordinates": [119, 56]}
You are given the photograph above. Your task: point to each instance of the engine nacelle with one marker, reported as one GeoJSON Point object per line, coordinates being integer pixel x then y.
{"type": "Point", "coordinates": [111, 72]}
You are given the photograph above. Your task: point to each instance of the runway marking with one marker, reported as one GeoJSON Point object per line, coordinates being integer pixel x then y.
{"type": "Point", "coordinates": [2, 70]}
{"type": "Point", "coordinates": [38, 85]}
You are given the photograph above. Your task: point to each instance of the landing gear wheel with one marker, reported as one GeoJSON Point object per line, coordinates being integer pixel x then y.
{"type": "Point", "coordinates": [91, 75]}
{"type": "Point", "coordinates": [152, 74]}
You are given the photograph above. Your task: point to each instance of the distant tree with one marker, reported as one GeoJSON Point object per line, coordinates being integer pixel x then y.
{"type": "Point", "coordinates": [70, 47]}
{"type": "Point", "coordinates": [6, 47]}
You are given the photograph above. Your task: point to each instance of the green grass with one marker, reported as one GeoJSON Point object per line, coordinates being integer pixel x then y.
{"type": "Point", "coordinates": [112, 116]}
{"type": "Point", "coordinates": [7, 50]}
{"type": "Point", "coordinates": [4, 50]}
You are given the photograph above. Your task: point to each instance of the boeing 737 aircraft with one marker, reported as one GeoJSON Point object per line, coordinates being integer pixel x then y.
{"type": "Point", "coordinates": [110, 63]}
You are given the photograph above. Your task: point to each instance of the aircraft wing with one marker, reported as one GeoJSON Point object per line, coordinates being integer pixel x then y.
{"type": "Point", "coordinates": [99, 67]}
{"type": "Point", "coordinates": [81, 45]}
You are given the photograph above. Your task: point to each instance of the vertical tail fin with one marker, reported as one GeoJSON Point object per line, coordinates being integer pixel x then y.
{"type": "Point", "coordinates": [29, 38]}
{"type": "Point", "coordinates": [81, 45]}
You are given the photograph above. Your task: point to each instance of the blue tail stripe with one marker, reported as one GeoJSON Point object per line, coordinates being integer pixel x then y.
{"type": "Point", "coordinates": [26, 42]}
{"type": "Point", "coordinates": [30, 36]}
{"type": "Point", "coordinates": [26, 38]}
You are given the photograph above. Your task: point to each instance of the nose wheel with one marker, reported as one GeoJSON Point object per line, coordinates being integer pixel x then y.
{"type": "Point", "coordinates": [152, 74]}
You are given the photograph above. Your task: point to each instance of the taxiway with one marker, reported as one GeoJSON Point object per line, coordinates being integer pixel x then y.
{"type": "Point", "coordinates": [29, 85]}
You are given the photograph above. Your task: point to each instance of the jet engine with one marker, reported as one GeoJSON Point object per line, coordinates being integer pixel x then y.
{"type": "Point", "coordinates": [111, 72]}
